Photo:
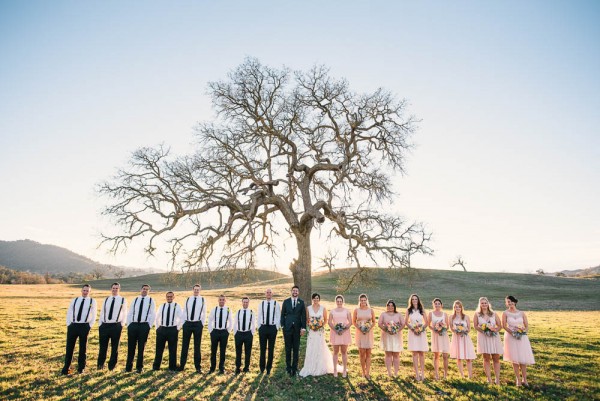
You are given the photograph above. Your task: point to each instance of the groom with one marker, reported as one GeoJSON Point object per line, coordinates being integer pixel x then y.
{"type": "Point", "coordinates": [293, 321]}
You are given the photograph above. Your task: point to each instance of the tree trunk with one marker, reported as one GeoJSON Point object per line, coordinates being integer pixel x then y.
{"type": "Point", "coordinates": [301, 268]}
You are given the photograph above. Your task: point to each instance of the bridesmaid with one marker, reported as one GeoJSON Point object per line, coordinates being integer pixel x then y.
{"type": "Point", "coordinates": [461, 347]}
{"type": "Point", "coordinates": [417, 342]}
{"type": "Point", "coordinates": [488, 342]}
{"type": "Point", "coordinates": [391, 343]}
{"type": "Point", "coordinates": [340, 340]}
{"type": "Point", "coordinates": [440, 341]}
{"type": "Point", "coordinates": [516, 349]}
{"type": "Point", "coordinates": [364, 316]}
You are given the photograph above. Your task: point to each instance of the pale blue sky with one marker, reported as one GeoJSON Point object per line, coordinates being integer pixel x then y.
{"type": "Point", "coordinates": [506, 171]}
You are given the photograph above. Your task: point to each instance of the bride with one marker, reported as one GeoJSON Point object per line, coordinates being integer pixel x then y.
{"type": "Point", "coordinates": [317, 360]}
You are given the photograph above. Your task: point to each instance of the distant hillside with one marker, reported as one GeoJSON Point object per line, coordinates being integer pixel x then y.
{"type": "Point", "coordinates": [589, 272]}
{"type": "Point", "coordinates": [27, 255]}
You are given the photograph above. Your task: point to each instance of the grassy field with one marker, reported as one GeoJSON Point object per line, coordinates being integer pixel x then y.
{"type": "Point", "coordinates": [32, 339]}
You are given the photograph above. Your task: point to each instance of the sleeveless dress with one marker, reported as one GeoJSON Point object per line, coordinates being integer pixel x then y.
{"type": "Point", "coordinates": [517, 350]}
{"type": "Point", "coordinates": [487, 344]}
{"type": "Point", "coordinates": [439, 343]}
{"type": "Point", "coordinates": [340, 317]}
{"type": "Point", "coordinates": [363, 340]}
{"type": "Point", "coordinates": [416, 342]}
{"type": "Point", "coordinates": [317, 360]}
{"type": "Point", "coordinates": [390, 342]}
{"type": "Point", "coordinates": [461, 346]}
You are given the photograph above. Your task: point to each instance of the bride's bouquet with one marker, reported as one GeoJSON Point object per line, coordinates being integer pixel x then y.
{"type": "Point", "coordinates": [440, 328]}
{"type": "Point", "coordinates": [392, 327]}
{"type": "Point", "coordinates": [460, 329]}
{"type": "Point", "coordinates": [365, 326]}
{"type": "Point", "coordinates": [519, 332]}
{"type": "Point", "coordinates": [316, 323]}
{"type": "Point", "coordinates": [339, 328]}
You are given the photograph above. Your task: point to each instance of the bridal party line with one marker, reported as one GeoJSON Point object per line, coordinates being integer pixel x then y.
{"type": "Point", "coordinates": [329, 334]}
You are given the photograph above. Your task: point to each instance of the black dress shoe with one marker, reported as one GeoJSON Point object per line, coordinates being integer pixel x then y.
{"type": "Point", "coordinates": [246, 370]}
{"type": "Point", "coordinates": [238, 371]}
{"type": "Point", "coordinates": [221, 372]}
{"type": "Point", "coordinates": [198, 370]}
{"type": "Point", "coordinates": [139, 370]}
{"type": "Point", "coordinates": [211, 371]}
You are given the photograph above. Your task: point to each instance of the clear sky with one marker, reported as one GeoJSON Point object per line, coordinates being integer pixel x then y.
{"type": "Point", "coordinates": [506, 171]}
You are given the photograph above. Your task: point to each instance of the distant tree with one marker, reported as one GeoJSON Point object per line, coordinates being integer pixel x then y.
{"type": "Point", "coordinates": [119, 272]}
{"type": "Point", "coordinates": [459, 262]}
{"type": "Point", "coordinates": [540, 272]}
{"type": "Point", "coordinates": [291, 150]}
{"type": "Point", "coordinates": [328, 260]}
{"type": "Point", "coordinates": [98, 272]}
{"type": "Point", "coordinates": [560, 274]}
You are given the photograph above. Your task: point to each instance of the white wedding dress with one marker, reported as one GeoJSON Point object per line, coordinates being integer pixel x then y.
{"type": "Point", "coordinates": [317, 360]}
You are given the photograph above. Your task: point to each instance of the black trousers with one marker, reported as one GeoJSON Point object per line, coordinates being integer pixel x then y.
{"type": "Point", "coordinates": [166, 335]}
{"type": "Point", "coordinates": [266, 337]}
{"type": "Point", "coordinates": [243, 339]}
{"type": "Point", "coordinates": [292, 348]}
{"type": "Point", "coordinates": [137, 335]}
{"type": "Point", "coordinates": [191, 329]}
{"type": "Point", "coordinates": [76, 331]}
{"type": "Point", "coordinates": [218, 339]}
{"type": "Point", "coordinates": [109, 332]}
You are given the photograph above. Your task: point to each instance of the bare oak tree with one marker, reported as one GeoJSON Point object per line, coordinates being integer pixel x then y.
{"type": "Point", "coordinates": [328, 261]}
{"type": "Point", "coordinates": [288, 151]}
{"type": "Point", "coordinates": [459, 262]}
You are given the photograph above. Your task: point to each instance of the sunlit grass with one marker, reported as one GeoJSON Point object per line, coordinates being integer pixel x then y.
{"type": "Point", "coordinates": [32, 341]}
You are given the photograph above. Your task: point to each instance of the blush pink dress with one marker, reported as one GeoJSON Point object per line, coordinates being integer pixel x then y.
{"type": "Point", "coordinates": [439, 343]}
{"type": "Point", "coordinates": [517, 350]}
{"type": "Point", "coordinates": [363, 340]}
{"type": "Point", "coordinates": [390, 342]}
{"type": "Point", "coordinates": [488, 344]}
{"type": "Point", "coordinates": [340, 317]}
{"type": "Point", "coordinates": [417, 342]}
{"type": "Point", "coordinates": [461, 346]}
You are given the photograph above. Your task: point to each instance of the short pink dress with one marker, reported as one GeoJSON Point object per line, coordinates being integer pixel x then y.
{"type": "Point", "coordinates": [363, 340]}
{"type": "Point", "coordinates": [417, 342]}
{"type": "Point", "coordinates": [390, 342]}
{"type": "Point", "coordinates": [488, 344]}
{"type": "Point", "coordinates": [439, 343]}
{"type": "Point", "coordinates": [461, 346]}
{"type": "Point", "coordinates": [340, 317]}
{"type": "Point", "coordinates": [517, 350]}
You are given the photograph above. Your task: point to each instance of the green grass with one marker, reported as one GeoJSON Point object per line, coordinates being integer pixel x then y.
{"type": "Point", "coordinates": [32, 340]}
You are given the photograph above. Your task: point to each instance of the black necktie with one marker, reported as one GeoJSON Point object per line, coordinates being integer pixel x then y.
{"type": "Point", "coordinates": [80, 310]}
{"type": "Point", "coordinates": [294, 307]}
{"type": "Point", "coordinates": [168, 314]}
{"type": "Point", "coordinates": [112, 306]}
{"type": "Point", "coordinates": [194, 309]}
{"type": "Point", "coordinates": [221, 319]}
{"type": "Point", "coordinates": [268, 312]}
{"type": "Point", "coordinates": [244, 321]}
{"type": "Point", "coordinates": [140, 310]}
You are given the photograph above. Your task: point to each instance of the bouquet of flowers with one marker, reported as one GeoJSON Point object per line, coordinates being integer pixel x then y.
{"type": "Point", "coordinates": [460, 329]}
{"type": "Point", "coordinates": [519, 332]}
{"type": "Point", "coordinates": [416, 328]}
{"type": "Point", "coordinates": [440, 328]}
{"type": "Point", "coordinates": [392, 327]}
{"type": "Point", "coordinates": [487, 329]}
{"type": "Point", "coordinates": [316, 323]}
{"type": "Point", "coordinates": [339, 328]}
{"type": "Point", "coordinates": [365, 326]}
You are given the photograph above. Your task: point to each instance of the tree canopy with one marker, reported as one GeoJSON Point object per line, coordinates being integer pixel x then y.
{"type": "Point", "coordinates": [287, 152]}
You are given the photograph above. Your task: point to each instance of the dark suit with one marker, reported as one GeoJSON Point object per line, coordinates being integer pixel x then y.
{"type": "Point", "coordinates": [293, 319]}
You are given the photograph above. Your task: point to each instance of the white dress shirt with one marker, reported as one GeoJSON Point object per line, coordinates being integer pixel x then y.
{"type": "Point", "coordinates": [148, 310]}
{"type": "Point", "coordinates": [173, 312]}
{"type": "Point", "coordinates": [274, 317]}
{"type": "Point", "coordinates": [238, 322]}
{"type": "Point", "coordinates": [88, 312]}
{"type": "Point", "coordinates": [199, 311]}
{"type": "Point", "coordinates": [119, 314]}
{"type": "Point", "coordinates": [213, 319]}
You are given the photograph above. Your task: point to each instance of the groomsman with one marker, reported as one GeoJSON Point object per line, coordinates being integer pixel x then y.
{"type": "Point", "coordinates": [168, 323]}
{"type": "Point", "coordinates": [112, 319]}
{"type": "Point", "coordinates": [268, 323]}
{"type": "Point", "coordinates": [219, 325]}
{"type": "Point", "coordinates": [140, 319]}
{"type": "Point", "coordinates": [195, 320]}
{"type": "Point", "coordinates": [244, 326]}
{"type": "Point", "coordinates": [81, 316]}
{"type": "Point", "coordinates": [293, 321]}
